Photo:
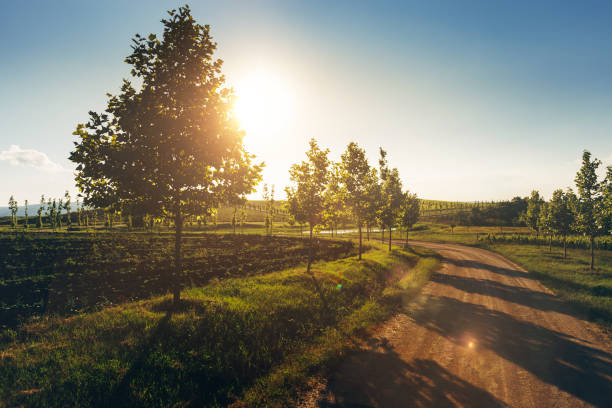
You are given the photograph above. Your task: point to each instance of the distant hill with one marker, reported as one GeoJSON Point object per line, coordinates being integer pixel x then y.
{"type": "Point", "coordinates": [5, 211]}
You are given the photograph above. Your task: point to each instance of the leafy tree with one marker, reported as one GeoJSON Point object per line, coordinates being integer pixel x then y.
{"type": "Point", "coordinates": [357, 178]}
{"type": "Point", "coordinates": [13, 207]}
{"type": "Point", "coordinates": [545, 224]}
{"type": "Point", "coordinates": [306, 198]}
{"type": "Point", "coordinates": [532, 214]}
{"type": "Point", "coordinates": [334, 210]}
{"type": "Point", "coordinates": [392, 200]}
{"type": "Point", "coordinates": [172, 143]}
{"type": "Point", "coordinates": [40, 210]}
{"type": "Point", "coordinates": [588, 190]}
{"type": "Point", "coordinates": [605, 212]}
{"type": "Point", "coordinates": [562, 214]}
{"type": "Point", "coordinates": [410, 212]}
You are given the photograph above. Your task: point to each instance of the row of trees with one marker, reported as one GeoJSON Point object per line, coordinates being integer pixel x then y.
{"type": "Point", "coordinates": [56, 212]}
{"type": "Point", "coordinates": [589, 212]}
{"type": "Point", "coordinates": [323, 193]}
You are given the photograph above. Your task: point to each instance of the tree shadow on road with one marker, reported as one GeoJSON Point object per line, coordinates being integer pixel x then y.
{"type": "Point", "coordinates": [551, 356]}
{"type": "Point", "coordinates": [380, 378]}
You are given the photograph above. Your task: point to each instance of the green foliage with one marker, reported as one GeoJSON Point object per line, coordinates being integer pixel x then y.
{"type": "Point", "coordinates": [306, 198]}
{"type": "Point", "coordinates": [13, 207]}
{"type": "Point", "coordinates": [532, 213]}
{"type": "Point", "coordinates": [171, 145]}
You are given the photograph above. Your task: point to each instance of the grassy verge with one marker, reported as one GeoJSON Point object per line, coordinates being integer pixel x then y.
{"type": "Point", "coordinates": [249, 341]}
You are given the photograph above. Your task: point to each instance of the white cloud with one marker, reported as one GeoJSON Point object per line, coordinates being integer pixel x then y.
{"type": "Point", "coordinates": [17, 156]}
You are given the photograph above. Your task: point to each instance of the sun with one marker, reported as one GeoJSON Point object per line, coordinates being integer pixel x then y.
{"type": "Point", "coordinates": [264, 105]}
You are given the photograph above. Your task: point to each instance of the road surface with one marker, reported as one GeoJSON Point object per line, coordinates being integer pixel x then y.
{"type": "Point", "coordinates": [483, 333]}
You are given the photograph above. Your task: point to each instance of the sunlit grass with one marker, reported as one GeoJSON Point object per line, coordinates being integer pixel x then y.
{"type": "Point", "coordinates": [245, 338]}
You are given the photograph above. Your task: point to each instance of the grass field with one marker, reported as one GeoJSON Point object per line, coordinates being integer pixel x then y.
{"type": "Point", "coordinates": [251, 341]}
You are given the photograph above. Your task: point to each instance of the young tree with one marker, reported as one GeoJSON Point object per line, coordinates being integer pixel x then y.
{"type": "Point", "coordinates": [25, 222]}
{"type": "Point", "coordinates": [392, 200]}
{"type": "Point", "coordinates": [334, 210]}
{"type": "Point", "coordinates": [67, 207]}
{"type": "Point", "coordinates": [172, 143]}
{"type": "Point", "coordinates": [306, 198]}
{"type": "Point", "coordinates": [545, 224]}
{"type": "Point", "coordinates": [40, 210]}
{"type": "Point", "coordinates": [532, 214]}
{"type": "Point", "coordinates": [588, 190]}
{"type": "Point", "coordinates": [13, 207]}
{"type": "Point", "coordinates": [268, 196]}
{"type": "Point", "coordinates": [562, 214]}
{"type": "Point", "coordinates": [605, 211]}
{"type": "Point", "coordinates": [410, 212]}
{"type": "Point", "coordinates": [357, 178]}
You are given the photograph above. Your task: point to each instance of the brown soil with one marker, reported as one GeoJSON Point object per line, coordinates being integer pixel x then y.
{"type": "Point", "coordinates": [483, 333]}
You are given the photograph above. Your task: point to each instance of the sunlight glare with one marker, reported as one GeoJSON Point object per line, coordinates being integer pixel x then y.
{"type": "Point", "coordinates": [264, 105]}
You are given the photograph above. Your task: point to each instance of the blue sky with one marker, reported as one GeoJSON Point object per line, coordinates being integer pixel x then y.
{"type": "Point", "coordinates": [473, 100]}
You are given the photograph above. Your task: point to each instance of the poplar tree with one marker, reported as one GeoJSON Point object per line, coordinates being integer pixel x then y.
{"type": "Point", "coordinates": [68, 208]}
{"type": "Point", "coordinates": [13, 207]}
{"type": "Point", "coordinates": [25, 225]}
{"type": "Point", "coordinates": [40, 210]}
{"type": "Point", "coordinates": [589, 197]}
{"type": "Point", "coordinates": [172, 143]}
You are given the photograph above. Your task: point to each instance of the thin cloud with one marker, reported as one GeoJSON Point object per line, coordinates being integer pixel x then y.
{"type": "Point", "coordinates": [17, 156]}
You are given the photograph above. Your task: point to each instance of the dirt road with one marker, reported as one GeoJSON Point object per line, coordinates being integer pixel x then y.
{"type": "Point", "coordinates": [483, 333]}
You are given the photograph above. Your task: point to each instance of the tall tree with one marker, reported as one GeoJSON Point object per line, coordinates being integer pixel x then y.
{"type": "Point", "coordinates": [410, 212]}
{"type": "Point", "coordinates": [13, 207]}
{"type": "Point", "coordinates": [357, 178]}
{"type": "Point", "coordinates": [562, 214]}
{"type": "Point", "coordinates": [306, 198]}
{"type": "Point", "coordinates": [40, 210]}
{"type": "Point", "coordinates": [588, 190]}
{"type": "Point", "coordinates": [171, 143]}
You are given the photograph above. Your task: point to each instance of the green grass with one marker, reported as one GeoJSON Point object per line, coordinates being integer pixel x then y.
{"type": "Point", "coordinates": [250, 341]}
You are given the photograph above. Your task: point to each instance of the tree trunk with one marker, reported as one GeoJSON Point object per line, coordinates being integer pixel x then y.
{"type": "Point", "coordinates": [592, 252]}
{"type": "Point", "coordinates": [564, 246]}
{"type": "Point", "coordinates": [310, 251]}
{"type": "Point", "coordinates": [178, 270]}
{"type": "Point", "coordinates": [549, 243]}
{"type": "Point", "coordinates": [389, 239]}
{"type": "Point", "coordinates": [360, 240]}
{"type": "Point", "coordinates": [406, 243]}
